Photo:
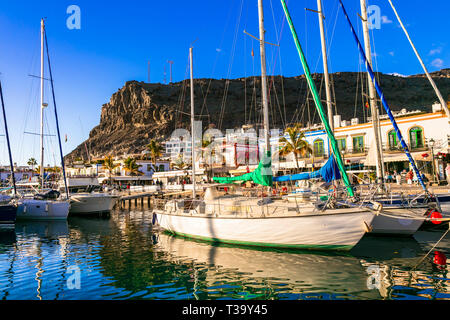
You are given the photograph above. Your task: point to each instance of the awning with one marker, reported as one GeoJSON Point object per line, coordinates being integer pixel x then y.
{"type": "Point", "coordinates": [370, 161]}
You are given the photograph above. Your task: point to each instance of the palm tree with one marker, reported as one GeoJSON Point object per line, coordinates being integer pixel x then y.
{"type": "Point", "coordinates": [156, 150]}
{"type": "Point", "coordinates": [180, 164]}
{"type": "Point", "coordinates": [108, 163]}
{"type": "Point", "coordinates": [296, 143]}
{"type": "Point", "coordinates": [131, 166]}
{"type": "Point", "coordinates": [32, 162]}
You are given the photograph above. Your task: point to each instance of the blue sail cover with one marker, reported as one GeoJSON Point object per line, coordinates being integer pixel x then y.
{"type": "Point", "coordinates": [328, 172]}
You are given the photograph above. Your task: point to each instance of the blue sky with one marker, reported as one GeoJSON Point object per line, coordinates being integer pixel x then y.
{"type": "Point", "coordinates": [118, 38]}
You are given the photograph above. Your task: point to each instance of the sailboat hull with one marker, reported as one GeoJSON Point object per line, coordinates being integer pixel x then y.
{"type": "Point", "coordinates": [34, 209]}
{"type": "Point", "coordinates": [320, 232]}
{"type": "Point", "coordinates": [8, 214]}
{"type": "Point", "coordinates": [401, 226]}
{"type": "Point", "coordinates": [92, 203]}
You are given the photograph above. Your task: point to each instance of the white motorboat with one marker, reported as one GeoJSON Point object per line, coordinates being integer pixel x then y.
{"type": "Point", "coordinates": [87, 197]}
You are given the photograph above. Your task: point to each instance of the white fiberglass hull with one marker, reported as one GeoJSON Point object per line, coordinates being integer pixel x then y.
{"type": "Point", "coordinates": [43, 209]}
{"type": "Point", "coordinates": [323, 231]}
{"type": "Point", "coordinates": [92, 203]}
{"type": "Point", "coordinates": [397, 221]}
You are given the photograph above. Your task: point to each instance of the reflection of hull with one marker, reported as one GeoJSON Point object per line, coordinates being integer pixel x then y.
{"type": "Point", "coordinates": [429, 239]}
{"type": "Point", "coordinates": [42, 209]}
{"type": "Point", "coordinates": [338, 231]}
{"type": "Point", "coordinates": [310, 271]}
{"type": "Point", "coordinates": [43, 228]}
{"type": "Point", "coordinates": [92, 203]}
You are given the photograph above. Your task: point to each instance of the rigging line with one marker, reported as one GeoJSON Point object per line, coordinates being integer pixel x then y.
{"type": "Point", "coordinates": [274, 62]}
{"type": "Point", "coordinates": [233, 50]}
{"type": "Point", "coordinates": [217, 58]}
{"type": "Point", "coordinates": [330, 65]}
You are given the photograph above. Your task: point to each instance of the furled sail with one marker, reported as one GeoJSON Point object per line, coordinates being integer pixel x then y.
{"type": "Point", "coordinates": [329, 172]}
{"type": "Point", "coordinates": [261, 175]}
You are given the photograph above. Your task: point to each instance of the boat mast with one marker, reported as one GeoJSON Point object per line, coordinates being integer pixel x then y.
{"type": "Point", "coordinates": [56, 119]}
{"type": "Point", "coordinates": [192, 122]}
{"type": "Point", "coordinates": [42, 104]}
{"type": "Point", "coordinates": [7, 140]}
{"type": "Point", "coordinates": [383, 101]}
{"type": "Point", "coordinates": [265, 99]}
{"type": "Point", "coordinates": [325, 65]}
{"type": "Point", "coordinates": [318, 104]}
{"type": "Point", "coordinates": [433, 84]}
{"type": "Point", "coordinates": [372, 97]}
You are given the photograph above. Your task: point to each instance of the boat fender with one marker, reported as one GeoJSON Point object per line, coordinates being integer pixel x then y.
{"type": "Point", "coordinates": [46, 207]}
{"type": "Point", "coordinates": [24, 209]}
{"type": "Point", "coordinates": [435, 216]}
{"type": "Point", "coordinates": [439, 259]}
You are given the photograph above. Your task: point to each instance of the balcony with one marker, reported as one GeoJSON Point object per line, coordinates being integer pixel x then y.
{"type": "Point", "coordinates": [398, 148]}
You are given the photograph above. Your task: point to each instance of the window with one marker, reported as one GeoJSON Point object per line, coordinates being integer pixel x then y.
{"type": "Point", "coordinates": [393, 141]}
{"type": "Point", "coordinates": [358, 144]}
{"type": "Point", "coordinates": [416, 137]}
{"type": "Point", "coordinates": [318, 148]}
{"type": "Point", "coordinates": [342, 144]}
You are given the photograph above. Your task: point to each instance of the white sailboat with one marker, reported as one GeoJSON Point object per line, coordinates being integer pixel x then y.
{"type": "Point", "coordinates": [238, 219]}
{"type": "Point", "coordinates": [48, 206]}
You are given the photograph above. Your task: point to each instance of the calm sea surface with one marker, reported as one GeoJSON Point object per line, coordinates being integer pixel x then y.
{"type": "Point", "coordinates": [121, 257]}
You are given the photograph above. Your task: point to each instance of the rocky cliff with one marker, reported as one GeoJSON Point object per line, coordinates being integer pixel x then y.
{"type": "Point", "coordinates": [141, 111]}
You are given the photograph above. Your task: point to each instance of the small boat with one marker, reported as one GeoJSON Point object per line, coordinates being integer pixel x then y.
{"type": "Point", "coordinates": [46, 206]}
{"type": "Point", "coordinates": [87, 196]}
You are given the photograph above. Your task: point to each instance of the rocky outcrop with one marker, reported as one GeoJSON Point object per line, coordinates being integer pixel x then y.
{"type": "Point", "coordinates": [140, 111]}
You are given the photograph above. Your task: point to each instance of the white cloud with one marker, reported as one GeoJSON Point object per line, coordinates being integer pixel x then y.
{"type": "Point", "coordinates": [438, 63]}
{"type": "Point", "coordinates": [385, 20]}
{"type": "Point", "coordinates": [218, 50]}
{"type": "Point", "coordinates": [392, 53]}
{"type": "Point", "coordinates": [435, 51]}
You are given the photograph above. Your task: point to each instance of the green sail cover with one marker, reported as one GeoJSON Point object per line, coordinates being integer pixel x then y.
{"type": "Point", "coordinates": [261, 175]}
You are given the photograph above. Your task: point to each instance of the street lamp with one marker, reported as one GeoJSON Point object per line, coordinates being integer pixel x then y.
{"type": "Point", "coordinates": [431, 144]}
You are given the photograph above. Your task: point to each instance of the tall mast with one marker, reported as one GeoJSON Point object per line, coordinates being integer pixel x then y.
{"type": "Point", "coordinates": [318, 103]}
{"type": "Point", "coordinates": [42, 104]}
{"type": "Point", "coordinates": [433, 84]}
{"type": "Point", "coordinates": [265, 99]}
{"type": "Point", "coordinates": [383, 101]}
{"type": "Point", "coordinates": [192, 123]}
{"type": "Point", "coordinates": [325, 65]}
{"type": "Point", "coordinates": [372, 96]}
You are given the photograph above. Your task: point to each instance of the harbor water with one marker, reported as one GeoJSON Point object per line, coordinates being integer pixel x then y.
{"type": "Point", "coordinates": [123, 257]}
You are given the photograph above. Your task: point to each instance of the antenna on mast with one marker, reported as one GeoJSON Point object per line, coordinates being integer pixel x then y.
{"type": "Point", "coordinates": [170, 63]}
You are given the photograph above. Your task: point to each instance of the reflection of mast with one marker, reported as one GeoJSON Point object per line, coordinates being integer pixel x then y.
{"type": "Point", "coordinates": [39, 272]}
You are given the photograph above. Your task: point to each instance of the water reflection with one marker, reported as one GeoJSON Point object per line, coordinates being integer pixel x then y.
{"type": "Point", "coordinates": [124, 258]}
